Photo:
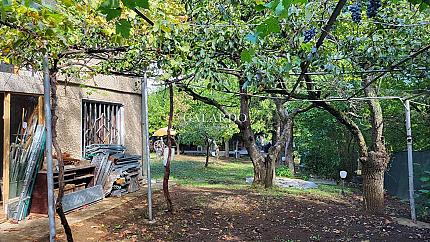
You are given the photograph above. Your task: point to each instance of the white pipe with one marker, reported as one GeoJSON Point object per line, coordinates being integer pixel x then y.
{"type": "Point", "coordinates": [145, 142]}
{"type": "Point", "coordinates": [48, 148]}
{"type": "Point", "coordinates": [410, 160]}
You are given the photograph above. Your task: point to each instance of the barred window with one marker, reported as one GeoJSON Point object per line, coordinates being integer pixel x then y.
{"type": "Point", "coordinates": [102, 123]}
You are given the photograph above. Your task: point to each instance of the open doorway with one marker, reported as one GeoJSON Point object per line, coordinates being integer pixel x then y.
{"type": "Point", "coordinates": [20, 114]}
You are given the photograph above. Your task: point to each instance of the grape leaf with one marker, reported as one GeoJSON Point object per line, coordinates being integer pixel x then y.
{"type": "Point", "coordinates": [246, 55]}
{"type": "Point", "coordinates": [142, 4]}
{"type": "Point", "coordinates": [111, 9]}
{"type": "Point", "coordinates": [123, 27]}
{"type": "Point", "coordinates": [252, 37]}
{"type": "Point", "coordinates": [129, 3]}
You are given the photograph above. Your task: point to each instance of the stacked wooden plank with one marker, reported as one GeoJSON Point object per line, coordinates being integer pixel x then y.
{"type": "Point", "coordinates": [116, 171]}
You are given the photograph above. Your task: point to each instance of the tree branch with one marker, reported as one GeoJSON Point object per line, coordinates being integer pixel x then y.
{"type": "Point", "coordinates": [92, 51]}
{"type": "Point", "coordinates": [140, 14]}
{"type": "Point", "coordinates": [208, 101]}
{"type": "Point", "coordinates": [350, 125]}
{"type": "Point", "coordinates": [302, 110]}
{"type": "Point", "coordinates": [325, 31]}
{"type": "Point", "coordinates": [392, 68]}
{"type": "Point", "coordinates": [19, 28]}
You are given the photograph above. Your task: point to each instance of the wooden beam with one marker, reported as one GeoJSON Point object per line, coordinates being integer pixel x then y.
{"type": "Point", "coordinates": [40, 110]}
{"type": "Point", "coordinates": [6, 150]}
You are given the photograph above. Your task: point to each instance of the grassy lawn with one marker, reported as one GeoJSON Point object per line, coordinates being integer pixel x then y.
{"type": "Point", "coordinates": [231, 174]}
{"type": "Point", "coordinates": [191, 170]}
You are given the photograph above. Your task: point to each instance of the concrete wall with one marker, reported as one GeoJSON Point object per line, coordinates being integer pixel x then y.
{"type": "Point", "coordinates": [71, 91]}
{"type": "Point", "coordinates": [101, 88]}
{"type": "Point", "coordinates": [20, 83]}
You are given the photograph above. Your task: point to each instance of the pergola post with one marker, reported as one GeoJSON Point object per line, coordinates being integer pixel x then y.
{"type": "Point", "coordinates": [6, 150]}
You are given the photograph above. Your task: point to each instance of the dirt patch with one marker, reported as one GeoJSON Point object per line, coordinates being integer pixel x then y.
{"type": "Point", "coordinates": [237, 215]}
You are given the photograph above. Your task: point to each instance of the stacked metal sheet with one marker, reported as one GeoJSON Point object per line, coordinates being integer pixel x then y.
{"type": "Point", "coordinates": [83, 197]}
{"type": "Point", "coordinates": [116, 171]}
{"type": "Point", "coordinates": [96, 149]}
{"type": "Point", "coordinates": [30, 162]}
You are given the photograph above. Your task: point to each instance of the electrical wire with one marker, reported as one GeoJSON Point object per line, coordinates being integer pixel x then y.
{"type": "Point", "coordinates": [419, 24]}
{"type": "Point", "coordinates": [331, 99]}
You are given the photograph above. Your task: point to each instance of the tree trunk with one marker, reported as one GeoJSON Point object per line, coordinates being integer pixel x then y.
{"type": "Point", "coordinates": [248, 138]}
{"type": "Point", "coordinates": [373, 188]}
{"type": "Point", "coordinates": [178, 150]}
{"type": "Point", "coordinates": [256, 157]}
{"type": "Point", "coordinates": [54, 107]}
{"type": "Point", "coordinates": [377, 160]}
{"type": "Point", "coordinates": [207, 152]}
{"type": "Point", "coordinates": [227, 151]}
{"type": "Point", "coordinates": [263, 166]}
{"type": "Point", "coordinates": [289, 158]}
{"type": "Point", "coordinates": [169, 153]}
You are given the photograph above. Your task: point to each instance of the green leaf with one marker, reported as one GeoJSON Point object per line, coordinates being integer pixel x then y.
{"type": "Point", "coordinates": [142, 4]}
{"type": "Point", "coordinates": [425, 191]}
{"type": "Point", "coordinates": [8, 3]}
{"type": "Point", "coordinates": [112, 14]}
{"type": "Point", "coordinates": [425, 179]}
{"type": "Point", "coordinates": [424, 6]}
{"type": "Point", "coordinates": [270, 25]}
{"type": "Point", "coordinates": [111, 9]}
{"type": "Point", "coordinates": [246, 55]}
{"type": "Point", "coordinates": [273, 25]}
{"type": "Point", "coordinates": [67, 3]}
{"type": "Point", "coordinates": [252, 37]}
{"type": "Point", "coordinates": [279, 9]}
{"type": "Point", "coordinates": [259, 8]}
{"type": "Point", "coordinates": [129, 3]}
{"type": "Point", "coordinates": [123, 27]}
{"type": "Point", "coordinates": [109, 4]}
{"type": "Point", "coordinates": [272, 5]}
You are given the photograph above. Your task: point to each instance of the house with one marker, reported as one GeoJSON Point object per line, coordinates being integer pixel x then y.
{"type": "Point", "coordinates": [99, 109]}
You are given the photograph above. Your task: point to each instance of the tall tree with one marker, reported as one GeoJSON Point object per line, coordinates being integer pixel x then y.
{"type": "Point", "coordinates": [354, 62]}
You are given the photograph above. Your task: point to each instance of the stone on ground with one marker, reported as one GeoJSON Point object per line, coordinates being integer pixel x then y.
{"type": "Point", "coordinates": [290, 182]}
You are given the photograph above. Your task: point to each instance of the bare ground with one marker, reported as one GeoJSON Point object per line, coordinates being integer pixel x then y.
{"type": "Point", "coordinates": [205, 214]}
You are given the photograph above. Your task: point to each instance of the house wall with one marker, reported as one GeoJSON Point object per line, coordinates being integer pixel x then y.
{"type": "Point", "coordinates": [101, 88]}
{"type": "Point", "coordinates": [23, 83]}
{"type": "Point", "coordinates": [71, 91]}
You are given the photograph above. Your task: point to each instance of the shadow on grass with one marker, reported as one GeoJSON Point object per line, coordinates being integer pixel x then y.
{"type": "Point", "coordinates": [217, 174]}
{"type": "Point", "coordinates": [231, 174]}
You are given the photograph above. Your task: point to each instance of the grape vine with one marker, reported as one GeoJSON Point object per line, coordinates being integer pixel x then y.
{"type": "Point", "coordinates": [355, 10]}
{"type": "Point", "coordinates": [309, 34]}
{"type": "Point", "coordinates": [372, 8]}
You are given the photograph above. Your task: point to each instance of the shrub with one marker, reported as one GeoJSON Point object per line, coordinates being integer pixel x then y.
{"type": "Point", "coordinates": [283, 171]}
{"type": "Point", "coordinates": [423, 197]}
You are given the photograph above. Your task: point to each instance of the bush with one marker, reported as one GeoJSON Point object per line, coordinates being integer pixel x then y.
{"type": "Point", "coordinates": [283, 171]}
{"type": "Point", "coordinates": [423, 197]}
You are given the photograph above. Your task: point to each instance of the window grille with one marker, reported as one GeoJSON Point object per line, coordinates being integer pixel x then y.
{"type": "Point", "coordinates": [101, 123]}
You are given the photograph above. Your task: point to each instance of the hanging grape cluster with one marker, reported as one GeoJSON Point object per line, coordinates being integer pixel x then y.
{"type": "Point", "coordinates": [355, 10]}
{"type": "Point", "coordinates": [372, 8]}
{"type": "Point", "coordinates": [309, 34]}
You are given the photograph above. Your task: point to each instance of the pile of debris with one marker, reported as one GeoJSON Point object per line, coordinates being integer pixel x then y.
{"type": "Point", "coordinates": [118, 173]}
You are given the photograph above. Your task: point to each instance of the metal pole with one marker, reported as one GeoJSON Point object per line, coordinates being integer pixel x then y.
{"type": "Point", "coordinates": [49, 173]}
{"type": "Point", "coordinates": [410, 161]}
{"type": "Point", "coordinates": [145, 142]}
